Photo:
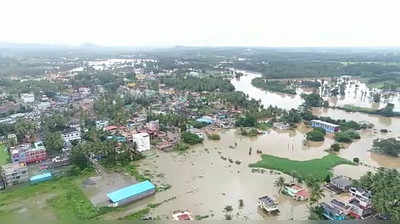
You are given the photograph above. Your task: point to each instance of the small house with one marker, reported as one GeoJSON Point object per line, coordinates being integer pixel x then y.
{"type": "Point", "coordinates": [296, 192]}
{"type": "Point", "coordinates": [341, 182]}
{"type": "Point", "coordinates": [328, 127]}
{"type": "Point", "coordinates": [268, 204]}
{"type": "Point", "coordinates": [331, 212]}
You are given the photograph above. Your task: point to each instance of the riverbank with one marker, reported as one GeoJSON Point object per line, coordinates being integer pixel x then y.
{"type": "Point", "coordinates": [274, 86]}
{"type": "Point", "coordinates": [352, 108]}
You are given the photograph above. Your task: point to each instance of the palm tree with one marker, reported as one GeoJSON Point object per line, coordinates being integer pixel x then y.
{"type": "Point", "coordinates": [280, 183]}
{"type": "Point", "coordinates": [317, 193]}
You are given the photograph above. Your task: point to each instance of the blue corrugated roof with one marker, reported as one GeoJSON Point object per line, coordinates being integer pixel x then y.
{"type": "Point", "coordinates": [40, 176]}
{"type": "Point", "coordinates": [130, 191]}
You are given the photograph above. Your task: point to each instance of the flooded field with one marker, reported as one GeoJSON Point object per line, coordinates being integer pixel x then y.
{"type": "Point", "coordinates": [356, 92]}
{"type": "Point", "coordinates": [358, 148]}
{"type": "Point", "coordinates": [215, 174]}
{"type": "Point", "coordinates": [205, 181]}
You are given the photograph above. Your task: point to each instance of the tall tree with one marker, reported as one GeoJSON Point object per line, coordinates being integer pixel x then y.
{"type": "Point", "coordinates": [317, 193]}
{"type": "Point", "coordinates": [280, 183]}
{"type": "Point", "coordinates": [54, 142]}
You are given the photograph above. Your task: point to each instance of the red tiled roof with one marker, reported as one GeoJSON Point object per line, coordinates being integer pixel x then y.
{"type": "Point", "coordinates": [111, 127]}
{"type": "Point", "coordinates": [304, 193]}
{"type": "Point", "coordinates": [183, 217]}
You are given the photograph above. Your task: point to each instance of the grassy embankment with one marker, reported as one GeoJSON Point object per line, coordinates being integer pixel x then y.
{"type": "Point", "coordinates": [315, 168]}
{"type": "Point", "coordinates": [351, 108]}
{"type": "Point", "coordinates": [273, 86]}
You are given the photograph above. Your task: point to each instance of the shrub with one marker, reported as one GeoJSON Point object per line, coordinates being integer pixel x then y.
{"type": "Point", "coordinates": [191, 138]}
{"type": "Point", "coordinates": [181, 147]}
{"type": "Point", "coordinates": [248, 132]}
{"type": "Point", "coordinates": [214, 136]}
{"type": "Point", "coordinates": [356, 160]}
{"type": "Point", "coordinates": [346, 136]}
{"type": "Point", "coordinates": [335, 147]}
{"type": "Point", "coordinates": [315, 135]}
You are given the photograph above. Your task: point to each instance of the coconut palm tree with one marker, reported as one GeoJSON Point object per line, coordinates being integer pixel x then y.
{"type": "Point", "coordinates": [317, 193]}
{"type": "Point", "coordinates": [280, 183]}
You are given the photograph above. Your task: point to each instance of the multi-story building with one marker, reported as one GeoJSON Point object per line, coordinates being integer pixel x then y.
{"type": "Point", "coordinates": [14, 173]}
{"type": "Point", "coordinates": [71, 134]}
{"type": "Point", "coordinates": [27, 153]}
{"type": "Point", "coordinates": [142, 141]}
{"type": "Point", "coordinates": [328, 127]}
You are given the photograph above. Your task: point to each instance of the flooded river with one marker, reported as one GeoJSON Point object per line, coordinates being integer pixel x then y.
{"type": "Point", "coordinates": [207, 178]}
{"type": "Point", "coordinates": [359, 148]}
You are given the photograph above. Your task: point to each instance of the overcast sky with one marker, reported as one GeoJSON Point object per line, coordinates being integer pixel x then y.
{"type": "Point", "coordinates": [202, 22]}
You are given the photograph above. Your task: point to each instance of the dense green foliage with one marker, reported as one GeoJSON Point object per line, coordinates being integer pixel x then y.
{"type": "Point", "coordinates": [315, 168]}
{"type": "Point", "coordinates": [25, 129]}
{"type": "Point", "coordinates": [389, 146]}
{"type": "Point", "coordinates": [316, 135]}
{"type": "Point", "coordinates": [54, 122]}
{"type": "Point", "coordinates": [346, 136]}
{"type": "Point", "coordinates": [292, 117]}
{"type": "Point", "coordinates": [274, 86]}
{"type": "Point", "coordinates": [54, 142]}
{"type": "Point", "coordinates": [312, 100]}
{"type": "Point", "coordinates": [190, 138]}
{"type": "Point", "coordinates": [384, 186]}
{"type": "Point", "coordinates": [247, 121]}
{"type": "Point", "coordinates": [248, 132]}
{"type": "Point", "coordinates": [198, 84]}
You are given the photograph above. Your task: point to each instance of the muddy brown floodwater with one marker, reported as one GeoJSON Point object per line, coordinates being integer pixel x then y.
{"type": "Point", "coordinates": [359, 148]}
{"type": "Point", "coordinates": [205, 183]}
{"type": "Point", "coordinates": [206, 178]}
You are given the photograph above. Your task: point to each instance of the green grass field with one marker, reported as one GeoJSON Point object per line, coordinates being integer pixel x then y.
{"type": "Point", "coordinates": [315, 168]}
{"type": "Point", "coordinates": [63, 198]}
{"type": "Point", "coordinates": [3, 155]}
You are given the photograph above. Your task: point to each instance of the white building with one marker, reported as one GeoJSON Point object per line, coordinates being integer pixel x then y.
{"type": "Point", "coordinates": [28, 97]}
{"type": "Point", "coordinates": [71, 134]}
{"type": "Point", "coordinates": [100, 125]}
{"type": "Point", "coordinates": [142, 141]}
{"type": "Point", "coordinates": [44, 105]}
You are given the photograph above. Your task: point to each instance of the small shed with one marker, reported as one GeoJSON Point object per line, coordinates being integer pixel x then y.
{"type": "Point", "coordinates": [40, 178]}
{"type": "Point", "coordinates": [131, 193]}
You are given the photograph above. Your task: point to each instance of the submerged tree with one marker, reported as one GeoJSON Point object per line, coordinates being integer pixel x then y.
{"type": "Point", "coordinates": [280, 183]}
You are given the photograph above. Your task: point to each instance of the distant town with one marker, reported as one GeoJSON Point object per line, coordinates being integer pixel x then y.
{"type": "Point", "coordinates": [199, 134]}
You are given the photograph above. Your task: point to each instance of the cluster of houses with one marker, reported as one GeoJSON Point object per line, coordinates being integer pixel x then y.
{"type": "Point", "coordinates": [27, 157]}
{"type": "Point", "coordinates": [351, 202]}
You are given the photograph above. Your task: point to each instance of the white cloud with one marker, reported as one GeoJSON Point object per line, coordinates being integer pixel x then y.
{"type": "Point", "coordinates": [205, 22]}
